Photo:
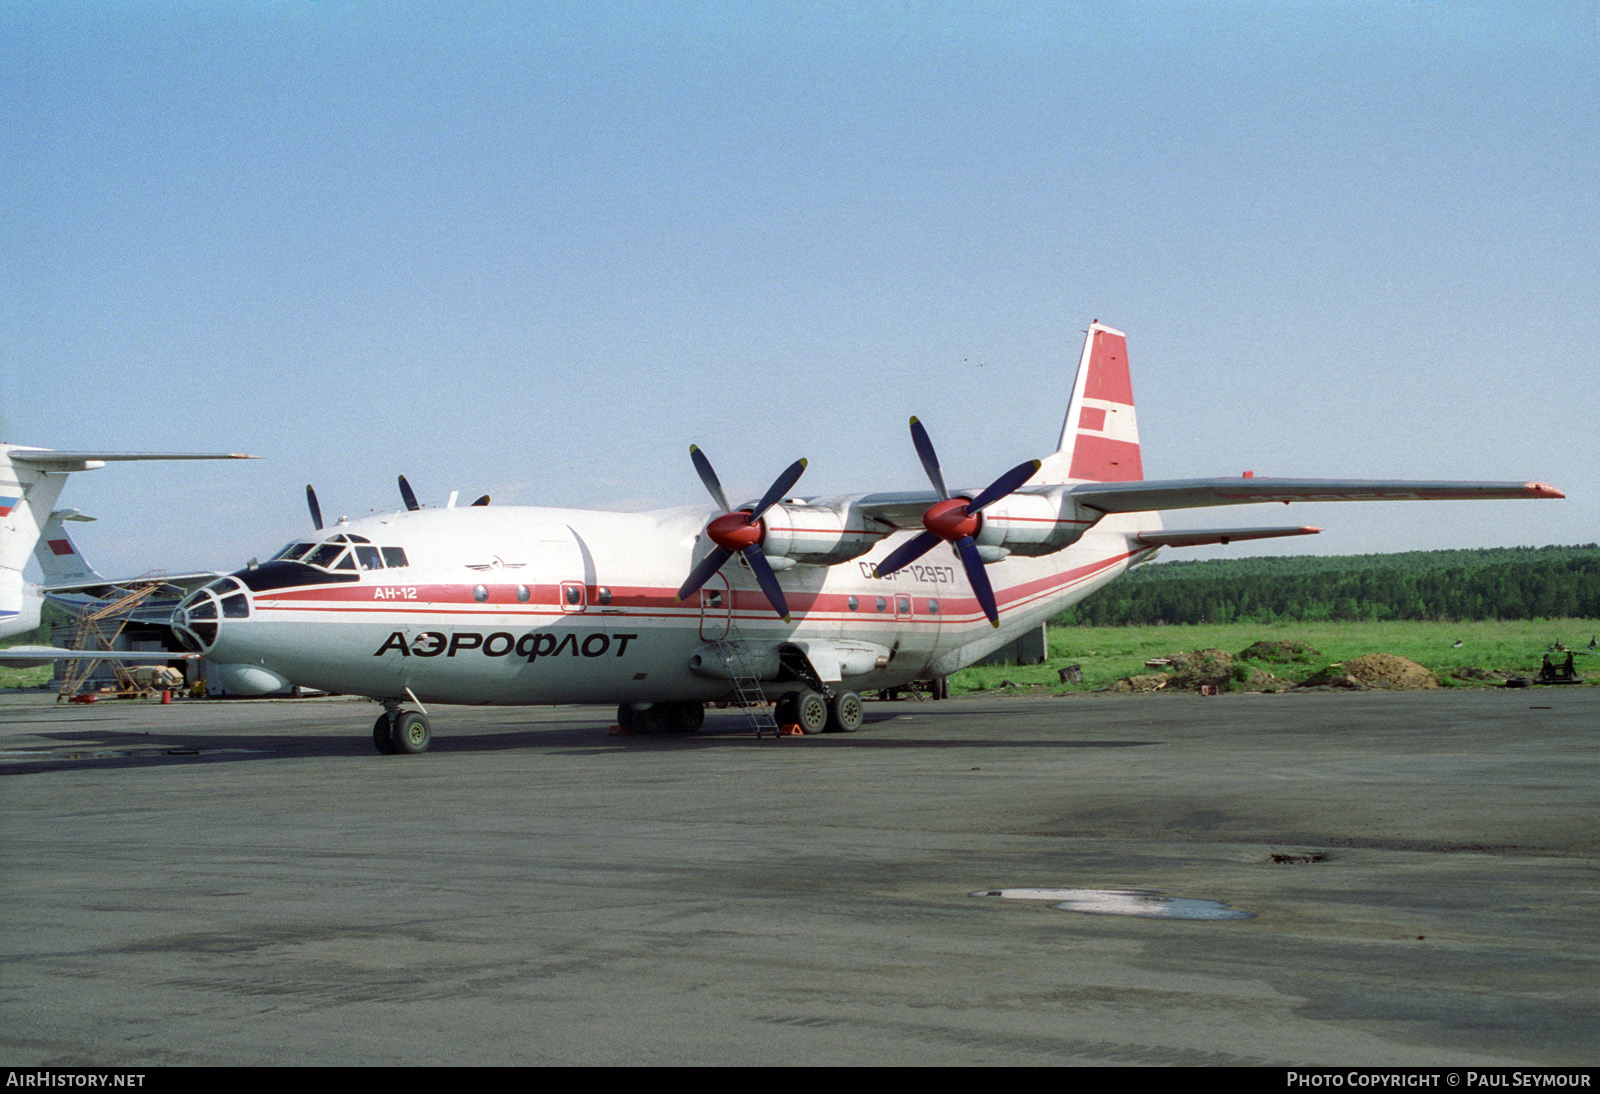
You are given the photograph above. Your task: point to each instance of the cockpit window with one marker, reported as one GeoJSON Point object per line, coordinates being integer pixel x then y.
{"type": "Point", "coordinates": [324, 555]}
{"type": "Point", "coordinates": [347, 561]}
{"type": "Point", "coordinates": [292, 552]}
{"type": "Point", "coordinates": [367, 558]}
{"type": "Point", "coordinates": [394, 557]}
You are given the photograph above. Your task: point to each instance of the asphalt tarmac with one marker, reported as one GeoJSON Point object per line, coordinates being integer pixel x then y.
{"type": "Point", "coordinates": [251, 883]}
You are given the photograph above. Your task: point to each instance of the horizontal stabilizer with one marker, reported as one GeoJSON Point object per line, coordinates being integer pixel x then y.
{"type": "Point", "coordinates": [1138, 497]}
{"type": "Point", "coordinates": [1201, 536]}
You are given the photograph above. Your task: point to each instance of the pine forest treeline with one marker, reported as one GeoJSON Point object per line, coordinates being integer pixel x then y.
{"type": "Point", "coordinates": [1493, 583]}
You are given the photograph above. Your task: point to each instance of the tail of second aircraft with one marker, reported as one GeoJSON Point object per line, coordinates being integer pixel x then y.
{"type": "Point", "coordinates": [58, 557]}
{"type": "Point", "coordinates": [1100, 435]}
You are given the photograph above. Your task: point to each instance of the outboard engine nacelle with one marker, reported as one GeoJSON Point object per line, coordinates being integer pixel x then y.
{"type": "Point", "coordinates": [818, 535]}
{"type": "Point", "coordinates": [1035, 524]}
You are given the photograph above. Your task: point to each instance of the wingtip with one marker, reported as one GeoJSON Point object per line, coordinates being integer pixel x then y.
{"type": "Point", "coordinates": [1542, 490]}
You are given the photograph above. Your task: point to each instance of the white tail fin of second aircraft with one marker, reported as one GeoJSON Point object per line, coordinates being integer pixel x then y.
{"type": "Point", "coordinates": [58, 556]}
{"type": "Point", "coordinates": [1100, 435]}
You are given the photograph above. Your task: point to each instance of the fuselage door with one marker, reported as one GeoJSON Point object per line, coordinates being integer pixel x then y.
{"type": "Point", "coordinates": [716, 609]}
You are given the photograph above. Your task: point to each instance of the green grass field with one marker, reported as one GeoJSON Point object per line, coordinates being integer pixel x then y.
{"type": "Point", "coordinates": [1110, 653]}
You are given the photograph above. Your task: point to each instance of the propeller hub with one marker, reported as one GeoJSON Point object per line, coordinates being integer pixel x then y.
{"type": "Point", "coordinates": [949, 520]}
{"type": "Point", "coordinates": [735, 531]}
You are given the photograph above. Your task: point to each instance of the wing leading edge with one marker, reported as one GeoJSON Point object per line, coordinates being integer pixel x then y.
{"type": "Point", "coordinates": [1138, 497]}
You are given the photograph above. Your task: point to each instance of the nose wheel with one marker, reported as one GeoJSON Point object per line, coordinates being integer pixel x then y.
{"type": "Point", "coordinates": [402, 733]}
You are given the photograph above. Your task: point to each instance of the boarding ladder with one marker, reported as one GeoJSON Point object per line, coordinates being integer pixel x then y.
{"type": "Point", "coordinates": [746, 686]}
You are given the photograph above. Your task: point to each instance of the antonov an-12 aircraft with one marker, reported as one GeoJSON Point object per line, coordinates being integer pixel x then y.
{"type": "Point", "coordinates": [816, 598]}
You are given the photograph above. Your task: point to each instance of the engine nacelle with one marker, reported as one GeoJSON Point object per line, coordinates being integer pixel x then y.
{"type": "Point", "coordinates": [814, 535]}
{"type": "Point", "coordinates": [1035, 524]}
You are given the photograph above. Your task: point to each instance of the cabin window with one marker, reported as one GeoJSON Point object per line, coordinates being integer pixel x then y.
{"type": "Point", "coordinates": [480, 593]}
{"type": "Point", "coordinates": [854, 603]}
{"type": "Point", "coordinates": [902, 605]}
{"type": "Point", "coordinates": [933, 607]}
{"type": "Point", "coordinates": [603, 594]}
{"type": "Point", "coordinates": [573, 593]}
{"type": "Point", "coordinates": [522, 594]}
{"type": "Point", "coordinates": [881, 604]}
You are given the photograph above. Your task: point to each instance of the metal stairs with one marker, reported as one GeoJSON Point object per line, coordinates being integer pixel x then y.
{"type": "Point", "coordinates": [747, 690]}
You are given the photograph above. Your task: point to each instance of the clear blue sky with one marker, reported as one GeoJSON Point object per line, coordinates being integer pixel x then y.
{"type": "Point", "coordinates": [537, 250]}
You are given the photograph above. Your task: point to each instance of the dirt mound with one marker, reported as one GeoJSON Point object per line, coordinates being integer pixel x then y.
{"type": "Point", "coordinates": [1374, 670]}
{"type": "Point", "coordinates": [1278, 653]}
{"type": "Point", "coordinates": [1197, 669]}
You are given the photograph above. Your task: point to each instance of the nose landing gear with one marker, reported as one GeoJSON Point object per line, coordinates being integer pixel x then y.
{"type": "Point", "coordinates": [402, 732]}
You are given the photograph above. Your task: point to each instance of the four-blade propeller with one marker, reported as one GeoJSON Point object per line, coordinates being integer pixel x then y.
{"type": "Point", "coordinates": [739, 531]}
{"type": "Point", "coordinates": [954, 520]}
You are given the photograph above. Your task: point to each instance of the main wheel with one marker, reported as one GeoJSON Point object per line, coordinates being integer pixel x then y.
{"type": "Point", "coordinates": [686, 717]}
{"type": "Point", "coordinates": [845, 713]}
{"type": "Point", "coordinates": [811, 712]}
{"type": "Point", "coordinates": [412, 733]}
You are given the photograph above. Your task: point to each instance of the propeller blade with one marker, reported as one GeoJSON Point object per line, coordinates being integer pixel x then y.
{"type": "Point", "coordinates": [407, 495]}
{"type": "Point", "coordinates": [709, 477]}
{"type": "Point", "coordinates": [909, 551]}
{"type": "Point", "coordinates": [767, 580]}
{"type": "Point", "coordinates": [739, 531]}
{"type": "Point", "coordinates": [482, 501]}
{"type": "Point", "coordinates": [973, 564]}
{"type": "Point", "coordinates": [703, 572]}
{"type": "Point", "coordinates": [779, 489]}
{"type": "Point", "coordinates": [316, 510]}
{"type": "Point", "coordinates": [930, 461]}
{"type": "Point", "coordinates": [1005, 484]}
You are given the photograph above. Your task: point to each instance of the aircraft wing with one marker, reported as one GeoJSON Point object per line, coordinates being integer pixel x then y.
{"type": "Point", "coordinates": [46, 460]}
{"type": "Point", "coordinates": [1200, 536]}
{"type": "Point", "coordinates": [1136, 497]}
{"type": "Point", "coordinates": [105, 587]}
{"type": "Point", "coordinates": [901, 509]}
{"type": "Point", "coordinates": [27, 656]}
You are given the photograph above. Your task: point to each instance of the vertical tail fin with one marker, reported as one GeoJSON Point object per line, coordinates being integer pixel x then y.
{"type": "Point", "coordinates": [1100, 436]}
{"type": "Point", "coordinates": [58, 556]}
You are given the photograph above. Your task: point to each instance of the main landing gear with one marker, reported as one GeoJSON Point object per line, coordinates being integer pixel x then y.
{"type": "Point", "coordinates": [672, 719]}
{"type": "Point", "coordinates": [402, 732]}
{"type": "Point", "coordinates": [814, 713]}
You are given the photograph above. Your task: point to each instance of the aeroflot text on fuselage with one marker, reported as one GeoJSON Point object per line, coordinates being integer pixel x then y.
{"type": "Point", "coordinates": [532, 645]}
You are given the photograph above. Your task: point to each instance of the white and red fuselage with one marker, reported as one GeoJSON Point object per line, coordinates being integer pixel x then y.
{"type": "Point", "coordinates": [514, 605]}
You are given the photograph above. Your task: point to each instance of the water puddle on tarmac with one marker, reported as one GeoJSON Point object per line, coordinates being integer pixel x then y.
{"type": "Point", "coordinates": [1145, 903]}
